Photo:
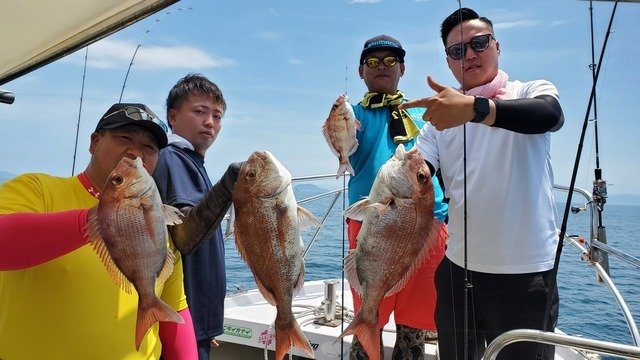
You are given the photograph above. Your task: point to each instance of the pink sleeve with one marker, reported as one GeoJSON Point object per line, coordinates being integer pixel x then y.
{"type": "Point", "coordinates": [30, 239]}
{"type": "Point", "coordinates": [179, 340]}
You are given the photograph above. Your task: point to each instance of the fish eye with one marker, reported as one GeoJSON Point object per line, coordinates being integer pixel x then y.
{"type": "Point", "coordinates": [117, 180]}
{"type": "Point", "coordinates": [422, 177]}
{"type": "Point", "coordinates": [251, 175]}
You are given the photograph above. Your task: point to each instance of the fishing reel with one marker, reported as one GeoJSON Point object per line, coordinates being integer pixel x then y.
{"type": "Point", "coordinates": [600, 192]}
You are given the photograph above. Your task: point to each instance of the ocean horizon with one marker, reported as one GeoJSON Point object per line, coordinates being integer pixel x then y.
{"type": "Point", "coordinates": [613, 198]}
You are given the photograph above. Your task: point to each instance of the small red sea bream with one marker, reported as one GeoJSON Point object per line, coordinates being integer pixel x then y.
{"type": "Point", "coordinates": [340, 132]}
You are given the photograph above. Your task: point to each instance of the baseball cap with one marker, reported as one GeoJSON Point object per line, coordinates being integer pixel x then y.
{"type": "Point", "coordinates": [382, 42]}
{"type": "Point", "coordinates": [136, 114]}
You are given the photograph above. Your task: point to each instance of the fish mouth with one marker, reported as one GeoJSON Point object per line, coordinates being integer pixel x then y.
{"type": "Point", "coordinates": [266, 157]}
{"type": "Point", "coordinates": [279, 190]}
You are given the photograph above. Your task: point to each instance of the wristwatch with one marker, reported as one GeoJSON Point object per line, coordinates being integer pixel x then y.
{"type": "Point", "coordinates": [481, 107]}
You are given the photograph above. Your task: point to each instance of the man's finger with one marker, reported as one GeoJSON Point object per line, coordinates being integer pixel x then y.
{"type": "Point", "coordinates": [413, 104]}
{"type": "Point", "coordinates": [434, 85]}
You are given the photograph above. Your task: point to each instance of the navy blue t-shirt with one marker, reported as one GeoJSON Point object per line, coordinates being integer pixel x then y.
{"type": "Point", "coordinates": [183, 181]}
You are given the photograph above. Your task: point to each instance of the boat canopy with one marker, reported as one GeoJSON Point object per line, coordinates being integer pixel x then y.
{"type": "Point", "coordinates": [37, 32]}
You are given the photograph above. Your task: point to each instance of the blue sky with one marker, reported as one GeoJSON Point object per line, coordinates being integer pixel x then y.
{"type": "Point", "coordinates": [281, 64]}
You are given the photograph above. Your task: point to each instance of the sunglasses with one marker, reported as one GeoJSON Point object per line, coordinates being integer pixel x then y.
{"type": "Point", "coordinates": [135, 113]}
{"type": "Point", "coordinates": [374, 62]}
{"type": "Point", "coordinates": [478, 44]}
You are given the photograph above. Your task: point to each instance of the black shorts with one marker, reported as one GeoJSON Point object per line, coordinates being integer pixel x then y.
{"type": "Point", "coordinates": [496, 303]}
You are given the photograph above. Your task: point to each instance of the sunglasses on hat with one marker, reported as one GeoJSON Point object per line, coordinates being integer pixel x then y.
{"type": "Point", "coordinates": [478, 44]}
{"type": "Point", "coordinates": [136, 113]}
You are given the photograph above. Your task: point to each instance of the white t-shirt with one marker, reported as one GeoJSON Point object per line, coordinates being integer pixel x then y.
{"type": "Point", "coordinates": [511, 212]}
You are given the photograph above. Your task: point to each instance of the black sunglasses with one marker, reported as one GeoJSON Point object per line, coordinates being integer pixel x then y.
{"type": "Point", "coordinates": [478, 44]}
{"type": "Point", "coordinates": [135, 113]}
{"type": "Point", "coordinates": [374, 62]}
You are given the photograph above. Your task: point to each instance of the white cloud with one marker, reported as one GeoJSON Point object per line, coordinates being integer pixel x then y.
{"type": "Point", "coordinates": [114, 54]}
{"type": "Point", "coordinates": [514, 24]}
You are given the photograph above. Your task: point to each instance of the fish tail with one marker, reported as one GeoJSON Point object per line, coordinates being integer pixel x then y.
{"type": "Point", "coordinates": [368, 335]}
{"type": "Point", "coordinates": [346, 166]}
{"type": "Point", "coordinates": [341, 169]}
{"type": "Point", "coordinates": [350, 168]}
{"type": "Point", "coordinates": [291, 335]}
{"type": "Point", "coordinates": [147, 316]}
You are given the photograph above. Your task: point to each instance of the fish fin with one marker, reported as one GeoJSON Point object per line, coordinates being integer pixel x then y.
{"type": "Point", "coordinates": [367, 333]}
{"type": "Point", "coordinates": [356, 210]}
{"type": "Point", "coordinates": [380, 208]}
{"type": "Point", "coordinates": [327, 137]}
{"type": "Point", "coordinates": [172, 216]}
{"type": "Point", "coordinates": [306, 218]}
{"type": "Point", "coordinates": [103, 253]}
{"type": "Point", "coordinates": [158, 311]}
{"type": "Point", "coordinates": [290, 335]}
{"type": "Point", "coordinates": [300, 281]}
{"type": "Point", "coordinates": [351, 272]}
{"type": "Point", "coordinates": [436, 234]}
{"type": "Point", "coordinates": [355, 147]}
{"type": "Point", "coordinates": [167, 268]}
{"type": "Point", "coordinates": [92, 229]}
{"type": "Point", "coordinates": [357, 124]}
{"type": "Point", "coordinates": [265, 293]}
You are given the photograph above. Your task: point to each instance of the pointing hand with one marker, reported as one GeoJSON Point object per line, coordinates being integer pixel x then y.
{"type": "Point", "coordinates": [446, 109]}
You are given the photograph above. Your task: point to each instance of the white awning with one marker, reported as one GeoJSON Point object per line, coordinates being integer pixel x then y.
{"type": "Point", "coordinates": [37, 32]}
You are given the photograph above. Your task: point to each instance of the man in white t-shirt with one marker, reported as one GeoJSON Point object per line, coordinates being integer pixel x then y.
{"type": "Point", "coordinates": [510, 236]}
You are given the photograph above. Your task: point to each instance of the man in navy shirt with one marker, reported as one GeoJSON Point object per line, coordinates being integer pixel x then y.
{"type": "Point", "coordinates": [195, 107]}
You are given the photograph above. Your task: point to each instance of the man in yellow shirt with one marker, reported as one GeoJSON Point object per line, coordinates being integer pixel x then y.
{"type": "Point", "coordinates": [57, 300]}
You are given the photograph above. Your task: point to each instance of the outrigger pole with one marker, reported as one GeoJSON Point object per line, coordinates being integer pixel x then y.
{"type": "Point", "coordinates": [599, 184]}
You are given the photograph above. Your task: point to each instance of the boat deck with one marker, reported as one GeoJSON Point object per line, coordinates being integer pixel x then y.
{"type": "Point", "coordinates": [248, 318]}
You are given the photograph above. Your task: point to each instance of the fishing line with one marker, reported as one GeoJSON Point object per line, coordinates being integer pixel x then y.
{"type": "Point", "coordinates": [140, 44]}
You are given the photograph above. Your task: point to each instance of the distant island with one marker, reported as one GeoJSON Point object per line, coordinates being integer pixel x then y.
{"type": "Point", "coordinates": [308, 187]}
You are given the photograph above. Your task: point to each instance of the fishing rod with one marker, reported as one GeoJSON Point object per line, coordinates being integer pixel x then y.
{"type": "Point", "coordinates": [567, 208]}
{"type": "Point", "coordinates": [75, 147]}
{"type": "Point", "coordinates": [467, 284]}
{"type": "Point", "coordinates": [124, 83]}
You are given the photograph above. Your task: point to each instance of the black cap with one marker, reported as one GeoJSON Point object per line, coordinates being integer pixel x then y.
{"type": "Point", "coordinates": [136, 114]}
{"type": "Point", "coordinates": [382, 42]}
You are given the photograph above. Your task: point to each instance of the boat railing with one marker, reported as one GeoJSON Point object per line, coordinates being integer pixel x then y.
{"type": "Point", "coordinates": [590, 254]}
{"type": "Point", "coordinates": [594, 245]}
{"type": "Point", "coordinates": [574, 342]}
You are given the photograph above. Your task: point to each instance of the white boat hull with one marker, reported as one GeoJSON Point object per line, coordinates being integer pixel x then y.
{"type": "Point", "coordinates": [248, 318]}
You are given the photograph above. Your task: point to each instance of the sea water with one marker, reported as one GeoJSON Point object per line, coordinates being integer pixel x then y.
{"type": "Point", "coordinates": [587, 307]}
